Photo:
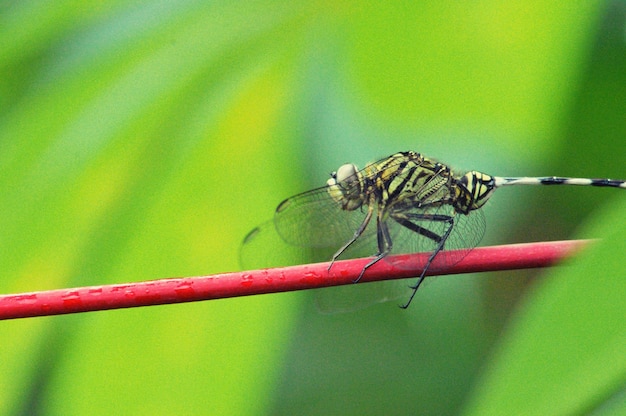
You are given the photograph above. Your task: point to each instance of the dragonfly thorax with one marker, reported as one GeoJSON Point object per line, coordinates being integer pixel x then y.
{"type": "Point", "coordinates": [473, 190]}
{"type": "Point", "coordinates": [346, 187]}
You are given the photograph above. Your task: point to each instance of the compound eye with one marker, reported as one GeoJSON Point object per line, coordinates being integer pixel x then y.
{"type": "Point", "coordinates": [345, 187]}
{"type": "Point", "coordinates": [345, 172]}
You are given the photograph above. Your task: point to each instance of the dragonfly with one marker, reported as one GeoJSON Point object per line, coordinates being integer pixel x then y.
{"type": "Point", "coordinates": [403, 203]}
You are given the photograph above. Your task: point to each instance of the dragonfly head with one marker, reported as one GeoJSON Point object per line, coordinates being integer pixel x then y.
{"type": "Point", "coordinates": [473, 190]}
{"type": "Point", "coordinates": [346, 187]}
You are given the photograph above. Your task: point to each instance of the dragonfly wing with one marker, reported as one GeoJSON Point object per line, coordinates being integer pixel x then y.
{"type": "Point", "coordinates": [349, 298]}
{"type": "Point", "coordinates": [404, 240]}
{"type": "Point", "coordinates": [430, 225]}
{"type": "Point", "coordinates": [263, 248]}
{"type": "Point", "coordinates": [314, 219]}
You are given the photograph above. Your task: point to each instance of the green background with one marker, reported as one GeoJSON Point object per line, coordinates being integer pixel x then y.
{"type": "Point", "coordinates": [144, 140]}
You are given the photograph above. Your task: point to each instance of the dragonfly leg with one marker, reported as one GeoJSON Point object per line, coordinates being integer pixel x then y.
{"type": "Point", "coordinates": [417, 229]}
{"type": "Point", "coordinates": [355, 237]}
{"type": "Point", "coordinates": [384, 245]}
{"type": "Point", "coordinates": [440, 240]}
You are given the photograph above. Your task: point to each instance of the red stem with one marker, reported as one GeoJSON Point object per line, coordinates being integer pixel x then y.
{"type": "Point", "coordinates": [309, 276]}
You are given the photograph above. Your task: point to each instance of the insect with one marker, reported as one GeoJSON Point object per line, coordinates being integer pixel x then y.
{"type": "Point", "coordinates": [403, 203]}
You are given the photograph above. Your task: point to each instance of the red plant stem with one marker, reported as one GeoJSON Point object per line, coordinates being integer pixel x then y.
{"type": "Point", "coordinates": [309, 276]}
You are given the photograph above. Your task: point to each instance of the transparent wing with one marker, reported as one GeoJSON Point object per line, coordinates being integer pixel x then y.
{"type": "Point", "coordinates": [311, 227]}
{"type": "Point", "coordinates": [350, 298]}
{"type": "Point", "coordinates": [314, 219]}
{"type": "Point", "coordinates": [464, 233]}
{"type": "Point", "coordinates": [263, 247]}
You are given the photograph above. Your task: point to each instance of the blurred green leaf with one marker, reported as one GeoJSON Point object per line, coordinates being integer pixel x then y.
{"type": "Point", "coordinates": [563, 352]}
